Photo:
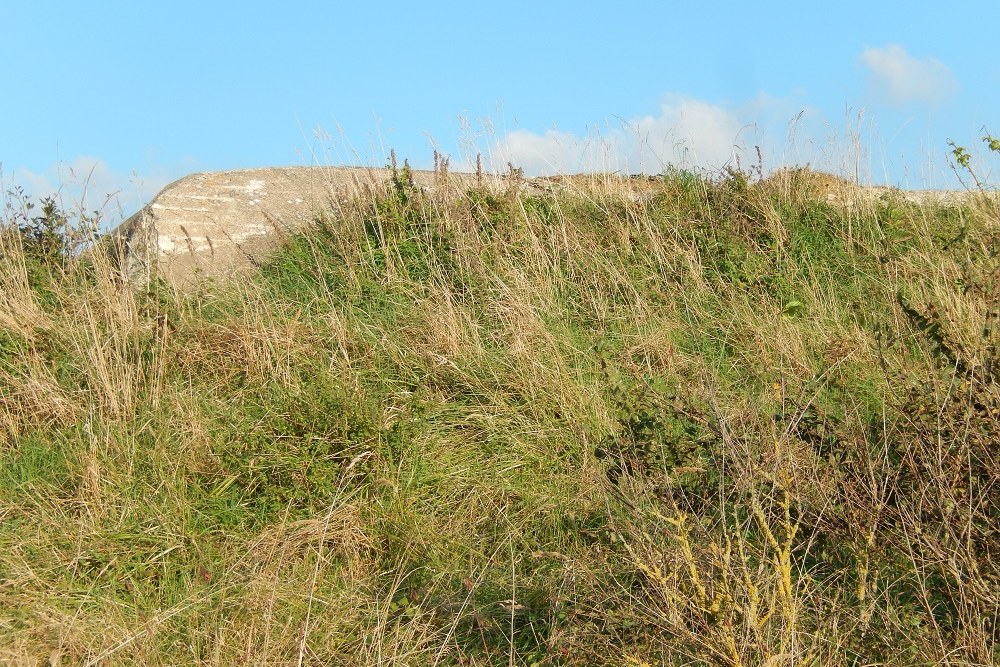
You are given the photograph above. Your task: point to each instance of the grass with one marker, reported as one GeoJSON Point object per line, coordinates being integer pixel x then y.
{"type": "Point", "coordinates": [672, 421]}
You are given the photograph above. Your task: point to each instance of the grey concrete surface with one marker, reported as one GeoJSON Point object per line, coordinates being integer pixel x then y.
{"type": "Point", "coordinates": [220, 225]}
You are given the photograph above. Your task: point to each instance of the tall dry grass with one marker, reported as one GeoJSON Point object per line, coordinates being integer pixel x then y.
{"type": "Point", "coordinates": [582, 421]}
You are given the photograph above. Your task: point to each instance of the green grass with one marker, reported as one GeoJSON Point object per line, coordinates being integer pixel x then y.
{"type": "Point", "coordinates": [625, 422]}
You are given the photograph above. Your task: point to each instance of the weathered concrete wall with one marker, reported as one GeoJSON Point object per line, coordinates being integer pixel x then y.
{"type": "Point", "coordinates": [217, 225]}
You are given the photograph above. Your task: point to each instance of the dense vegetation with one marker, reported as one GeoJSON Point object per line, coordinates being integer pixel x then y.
{"type": "Point", "coordinates": [681, 420]}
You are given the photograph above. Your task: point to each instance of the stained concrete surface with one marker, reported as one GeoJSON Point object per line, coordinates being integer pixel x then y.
{"type": "Point", "coordinates": [217, 226]}
{"type": "Point", "coordinates": [220, 225]}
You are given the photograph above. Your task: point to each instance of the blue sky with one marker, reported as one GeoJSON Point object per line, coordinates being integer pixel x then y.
{"type": "Point", "coordinates": [129, 96]}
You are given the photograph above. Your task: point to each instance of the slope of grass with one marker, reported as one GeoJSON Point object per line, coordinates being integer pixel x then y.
{"type": "Point", "coordinates": [676, 421]}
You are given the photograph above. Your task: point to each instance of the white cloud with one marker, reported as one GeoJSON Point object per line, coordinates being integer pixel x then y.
{"type": "Point", "coordinates": [89, 184]}
{"type": "Point", "coordinates": [687, 132]}
{"type": "Point", "coordinates": [903, 78]}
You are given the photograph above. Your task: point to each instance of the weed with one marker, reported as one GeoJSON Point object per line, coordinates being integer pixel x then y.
{"type": "Point", "coordinates": [685, 420]}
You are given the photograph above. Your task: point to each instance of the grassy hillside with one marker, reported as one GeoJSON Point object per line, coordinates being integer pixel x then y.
{"type": "Point", "coordinates": [681, 420]}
